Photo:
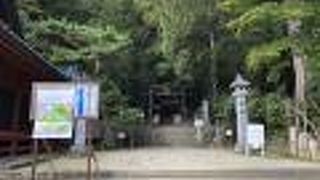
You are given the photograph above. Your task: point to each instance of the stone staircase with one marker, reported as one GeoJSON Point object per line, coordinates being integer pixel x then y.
{"type": "Point", "coordinates": [175, 135]}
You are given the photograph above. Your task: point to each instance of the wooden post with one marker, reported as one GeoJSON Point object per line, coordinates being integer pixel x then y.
{"type": "Point", "coordinates": [17, 104]}
{"type": "Point", "coordinates": [89, 150]}
{"type": "Point", "coordinates": [184, 106]}
{"type": "Point", "coordinates": [15, 122]}
{"type": "Point", "coordinates": [131, 138]}
{"type": "Point", "coordinates": [150, 113]}
{"type": "Point", "coordinates": [35, 159]}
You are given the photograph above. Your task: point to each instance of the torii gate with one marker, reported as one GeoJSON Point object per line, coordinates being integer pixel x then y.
{"type": "Point", "coordinates": [161, 97]}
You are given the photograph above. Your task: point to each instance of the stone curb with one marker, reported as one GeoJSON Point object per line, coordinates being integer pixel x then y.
{"type": "Point", "coordinates": [312, 174]}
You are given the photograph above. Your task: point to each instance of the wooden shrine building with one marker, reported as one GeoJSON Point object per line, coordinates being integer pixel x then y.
{"type": "Point", "coordinates": [20, 65]}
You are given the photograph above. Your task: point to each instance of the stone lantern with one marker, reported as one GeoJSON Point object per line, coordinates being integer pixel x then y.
{"type": "Point", "coordinates": [240, 92]}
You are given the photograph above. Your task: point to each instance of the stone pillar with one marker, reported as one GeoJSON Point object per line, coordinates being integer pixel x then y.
{"type": "Point", "coordinates": [205, 110]}
{"type": "Point", "coordinates": [242, 119]}
{"type": "Point", "coordinates": [293, 140]}
{"type": "Point", "coordinates": [79, 144]}
{"type": "Point", "coordinates": [239, 94]}
{"type": "Point", "coordinates": [198, 124]}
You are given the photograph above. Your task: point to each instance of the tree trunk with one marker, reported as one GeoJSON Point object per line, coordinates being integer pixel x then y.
{"type": "Point", "coordinates": [213, 68]}
{"type": "Point", "coordinates": [299, 68]}
{"type": "Point", "coordinates": [298, 61]}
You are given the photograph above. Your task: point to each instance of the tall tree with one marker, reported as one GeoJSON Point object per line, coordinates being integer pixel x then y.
{"type": "Point", "coordinates": [289, 16]}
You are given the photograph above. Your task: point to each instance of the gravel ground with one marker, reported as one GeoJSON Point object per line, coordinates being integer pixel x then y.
{"type": "Point", "coordinates": [168, 161]}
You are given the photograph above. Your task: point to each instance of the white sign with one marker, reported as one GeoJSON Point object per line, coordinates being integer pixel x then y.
{"type": "Point", "coordinates": [255, 136]}
{"type": "Point", "coordinates": [87, 100]}
{"type": "Point", "coordinates": [198, 123]}
{"type": "Point", "coordinates": [52, 106]}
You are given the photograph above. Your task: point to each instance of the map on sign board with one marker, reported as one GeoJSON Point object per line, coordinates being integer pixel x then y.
{"type": "Point", "coordinates": [53, 110]}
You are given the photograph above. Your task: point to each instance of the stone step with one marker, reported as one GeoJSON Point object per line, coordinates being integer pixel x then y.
{"type": "Point", "coordinates": [175, 135]}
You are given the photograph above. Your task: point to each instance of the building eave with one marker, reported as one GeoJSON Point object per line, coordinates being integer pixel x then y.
{"type": "Point", "coordinates": [25, 49]}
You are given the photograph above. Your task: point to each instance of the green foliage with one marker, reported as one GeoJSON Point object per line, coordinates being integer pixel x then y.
{"type": "Point", "coordinates": [221, 115]}
{"type": "Point", "coordinates": [63, 40]}
{"type": "Point", "coordinates": [175, 19]}
{"type": "Point", "coordinates": [111, 98]}
{"type": "Point", "coordinates": [269, 110]}
{"type": "Point", "coordinates": [263, 16]}
{"type": "Point", "coordinates": [94, 12]}
{"type": "Point", "coordinates": [183, 28]}
{"type": "Point", "coordinates": [236, 6]}
{"type": "Point", "coordinates": [148, 41]}
{"type": "Point", "coordinates": [270, 13]}
{"type": "Point", "coordinates": [221, 108]}
{"type": "Point", "coordinates": [266, 54]}
{"type": "Point", "coordinates": [115, 109]}
{"type": "Point", "coordinates": [128, 118]}
{"type": "Point", "coordinates": [262, 26]}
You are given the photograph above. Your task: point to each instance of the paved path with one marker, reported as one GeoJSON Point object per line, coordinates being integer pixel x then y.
{"type": "Point", "coordinates": [192, 163]}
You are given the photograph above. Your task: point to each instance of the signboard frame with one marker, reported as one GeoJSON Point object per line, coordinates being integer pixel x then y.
{"type": "Point", "coordinates": [56, 92]}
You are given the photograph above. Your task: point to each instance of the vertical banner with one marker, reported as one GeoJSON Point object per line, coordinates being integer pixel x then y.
{"type": "Point", "coordinates": [87, 100]}
{"type": "Point", "coordinates": [86, 107]}
{"type": "Point", "coordinates": [52, 110]}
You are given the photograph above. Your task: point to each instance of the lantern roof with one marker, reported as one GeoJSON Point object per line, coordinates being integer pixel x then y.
{"type": "Point", "coordinates": [239, 82]}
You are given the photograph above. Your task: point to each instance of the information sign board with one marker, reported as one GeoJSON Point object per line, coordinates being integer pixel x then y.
{"type": "Point", "coordinates": [52, 106]}
{"type": "Point", "coordinates": [255, 136]}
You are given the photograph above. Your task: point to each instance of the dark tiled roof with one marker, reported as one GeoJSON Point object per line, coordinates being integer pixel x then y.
{"type": "Point", "coordinates": [8, 36]}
